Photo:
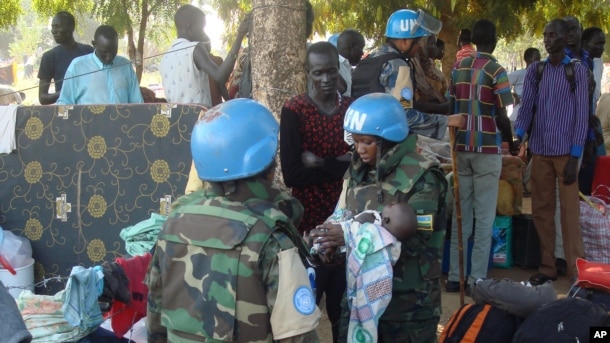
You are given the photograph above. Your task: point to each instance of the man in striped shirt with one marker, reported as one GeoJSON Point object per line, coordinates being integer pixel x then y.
{"type": "Point", "coordinates": [480, 92]}
{"type": "Point", "coordinates": [559, 128]}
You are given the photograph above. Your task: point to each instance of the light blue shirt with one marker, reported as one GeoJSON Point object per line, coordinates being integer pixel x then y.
{"type": "Point", "coordinates": [89, 81]}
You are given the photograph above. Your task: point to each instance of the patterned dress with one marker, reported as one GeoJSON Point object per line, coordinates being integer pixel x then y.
{"type": "Point", "coordinates": [303, 127]}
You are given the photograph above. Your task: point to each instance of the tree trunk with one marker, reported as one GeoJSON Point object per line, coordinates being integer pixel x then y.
{"type": "Point", "coordinates": [449, 35]}
{"type": "Point", "coordinates": [139, 61]}
{"type": "Point", "coordinates": [277, 52]}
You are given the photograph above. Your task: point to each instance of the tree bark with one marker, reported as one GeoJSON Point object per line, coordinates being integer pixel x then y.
{"type": "Point", "coordinates": [277, 52]}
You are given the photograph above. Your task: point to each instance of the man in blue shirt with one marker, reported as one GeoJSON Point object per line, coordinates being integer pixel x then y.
{"type": "Point", "coordinates": [559, 128]}
{"type": "Point", "coordinates": [101, 77]}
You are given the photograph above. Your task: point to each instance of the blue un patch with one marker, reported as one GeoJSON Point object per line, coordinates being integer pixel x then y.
{"type": "Point", "coordinates": [304, 301]}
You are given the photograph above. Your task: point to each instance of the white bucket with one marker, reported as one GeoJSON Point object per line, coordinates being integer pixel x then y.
{"type": "Point", "coordinates": [24, 278]}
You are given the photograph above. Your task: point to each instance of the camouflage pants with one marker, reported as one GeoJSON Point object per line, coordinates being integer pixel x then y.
{"type": "Point", "coordinates": [415, 331]}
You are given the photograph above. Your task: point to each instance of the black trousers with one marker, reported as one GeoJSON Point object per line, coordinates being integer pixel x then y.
{"type": "Point", "coordinates": [331, 281]}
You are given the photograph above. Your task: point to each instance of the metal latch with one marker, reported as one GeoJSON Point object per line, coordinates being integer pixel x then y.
{"type": "Point", "coordinates": [63, 111]}
{"type": "Point", "coordinates": [166, 205]}
{"type": "Point", "coordinates": [62, 207]}
{"type": "Point", "coordinates": [166, 109]}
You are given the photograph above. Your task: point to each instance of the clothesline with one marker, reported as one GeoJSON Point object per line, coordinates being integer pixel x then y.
{"type": "Point", "coordinates": [42, 283]}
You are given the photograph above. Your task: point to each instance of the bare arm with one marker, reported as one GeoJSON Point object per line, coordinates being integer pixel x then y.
{"type": "Point", "coordinates": [503, 124]}
{"type": "Point", "coordinates": [43, 93]}
{"type": "Point", "coordinates": [221, 73]}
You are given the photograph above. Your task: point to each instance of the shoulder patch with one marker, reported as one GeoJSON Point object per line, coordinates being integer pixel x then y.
{"type": "Point", "coordinates": [304, 301]}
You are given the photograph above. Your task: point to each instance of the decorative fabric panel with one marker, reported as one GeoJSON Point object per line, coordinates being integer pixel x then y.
{"type": "Point", "coordinates": [81, 174]}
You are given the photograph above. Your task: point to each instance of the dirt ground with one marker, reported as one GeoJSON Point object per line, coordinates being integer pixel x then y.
{"type": "Point", "coordinates": [451, 301]}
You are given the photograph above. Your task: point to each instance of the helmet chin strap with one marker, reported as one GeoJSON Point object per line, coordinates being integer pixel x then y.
{"type": "Point", "coordinates": [379, 144]}
{"type": "Point", "coordinates": [414, 42]}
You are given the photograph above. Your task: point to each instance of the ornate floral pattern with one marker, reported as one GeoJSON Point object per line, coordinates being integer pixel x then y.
{"type": "Point", "coordinates": [112, 163]}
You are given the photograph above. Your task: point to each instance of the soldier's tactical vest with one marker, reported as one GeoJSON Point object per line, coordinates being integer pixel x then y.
{"type": "Point", "coordinates": [217, 251]}
{"type": "Point", "coordinates": [418, 270]}
{"type": "Point", "coordinates": [365, 78]}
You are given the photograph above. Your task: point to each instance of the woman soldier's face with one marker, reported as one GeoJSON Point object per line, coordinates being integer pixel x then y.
{"type": "Point", "coordinates": [366, 147]}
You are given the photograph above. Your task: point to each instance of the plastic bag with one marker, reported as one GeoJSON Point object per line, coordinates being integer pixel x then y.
{"type": "Point", "coordinates": [16, 250]}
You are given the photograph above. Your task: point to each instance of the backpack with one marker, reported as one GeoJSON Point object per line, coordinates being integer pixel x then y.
{"type": "Point", "coordinates": [479, 323]}
{"type": "Point", "coordinates": [365, 78]}
{"type": "Point", "coordinates": [569, 73]}
{"type": "Point", "coordinates": [563, 320]}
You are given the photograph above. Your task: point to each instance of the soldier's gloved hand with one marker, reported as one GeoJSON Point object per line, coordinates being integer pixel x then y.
{"type": "Point", "coordinates": [570, 171]}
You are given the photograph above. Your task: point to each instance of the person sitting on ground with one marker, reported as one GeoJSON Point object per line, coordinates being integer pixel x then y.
{"type": "Point", "coordinates": [373, 246]}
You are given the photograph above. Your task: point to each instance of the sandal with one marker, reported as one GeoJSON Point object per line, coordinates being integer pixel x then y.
{"type": "Point", "coordinates": [540, 278]}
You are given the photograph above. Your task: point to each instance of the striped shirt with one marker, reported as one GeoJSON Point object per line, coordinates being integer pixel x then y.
{"type": "Point", "coordinates": [561, 118]}
{"type": "Point", "coordinates": [479, 85]}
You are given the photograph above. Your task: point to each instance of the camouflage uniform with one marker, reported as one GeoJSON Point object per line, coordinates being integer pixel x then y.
{"type": "Point", "coordinates": [215, 274]}
{"type": "Point", "coordinates": [415, 308]}
{"type": "Point", "coordinates": [433, 126]}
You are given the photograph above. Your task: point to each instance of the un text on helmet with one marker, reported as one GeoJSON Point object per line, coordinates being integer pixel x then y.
{"type": "Point", "coordinates": [355, 120]}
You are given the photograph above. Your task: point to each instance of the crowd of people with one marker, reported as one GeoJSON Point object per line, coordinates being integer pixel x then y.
{"type": "Point", "coordinates": [364, 222]}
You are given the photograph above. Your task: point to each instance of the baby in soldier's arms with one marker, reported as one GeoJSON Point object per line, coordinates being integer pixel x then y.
{"type": "Point", "coordinates": [373, 246]}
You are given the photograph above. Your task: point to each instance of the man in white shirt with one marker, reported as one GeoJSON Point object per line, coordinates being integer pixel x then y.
{"type": "Point", "coordinates": [517, 77]}
{"type": "Point", "coordinates": [350, 46]}
{"type": "Point", "coordinates": [186, 67]}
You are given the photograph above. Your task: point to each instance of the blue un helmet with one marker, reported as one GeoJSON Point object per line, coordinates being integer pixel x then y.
{"type": "Point", "coordinates": [234, 140]}
{"type": "Point", "coordinates": [333, 39]}
{"type": "Point", "coordinates": [377, 114]}
{"type": "Point", "coordinates": [411, 24]}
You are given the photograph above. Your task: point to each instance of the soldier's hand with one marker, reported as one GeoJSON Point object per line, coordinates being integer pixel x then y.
{"type": "Point", "coordinates": [329, 235]}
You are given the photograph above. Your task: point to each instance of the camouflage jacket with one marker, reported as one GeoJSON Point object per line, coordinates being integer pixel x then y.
{"type": "Point", "coordinates": [425, 124]}
{"type": "Point", "coordinates": [389, 71]}
{"type": "Point", "coordinates": [404, 175]}
{"type": "Point", "coordinates": [214, 275]}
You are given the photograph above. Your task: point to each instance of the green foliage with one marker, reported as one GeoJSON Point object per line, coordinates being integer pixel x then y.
{"type": "Point", "coordinates": [10, 10]}
{"type": "Point", "coordinates": [48, 8]}
{"type": "Point", "coordinates": [27, 34]}
{"type": "Point", "coordinates": [513, 18]}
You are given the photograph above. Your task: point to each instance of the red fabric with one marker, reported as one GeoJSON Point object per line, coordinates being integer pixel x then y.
{"type": "Point", "coordinates": [323, 136]}
{"type": "Point", "coordinates": [125, 315]}
{"type": "Point", "coordinates": [593, 275]}
{"type": "Point", "coordinates": [601, 177]}
{"type": "Point", "coordinates": [464, 52]}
